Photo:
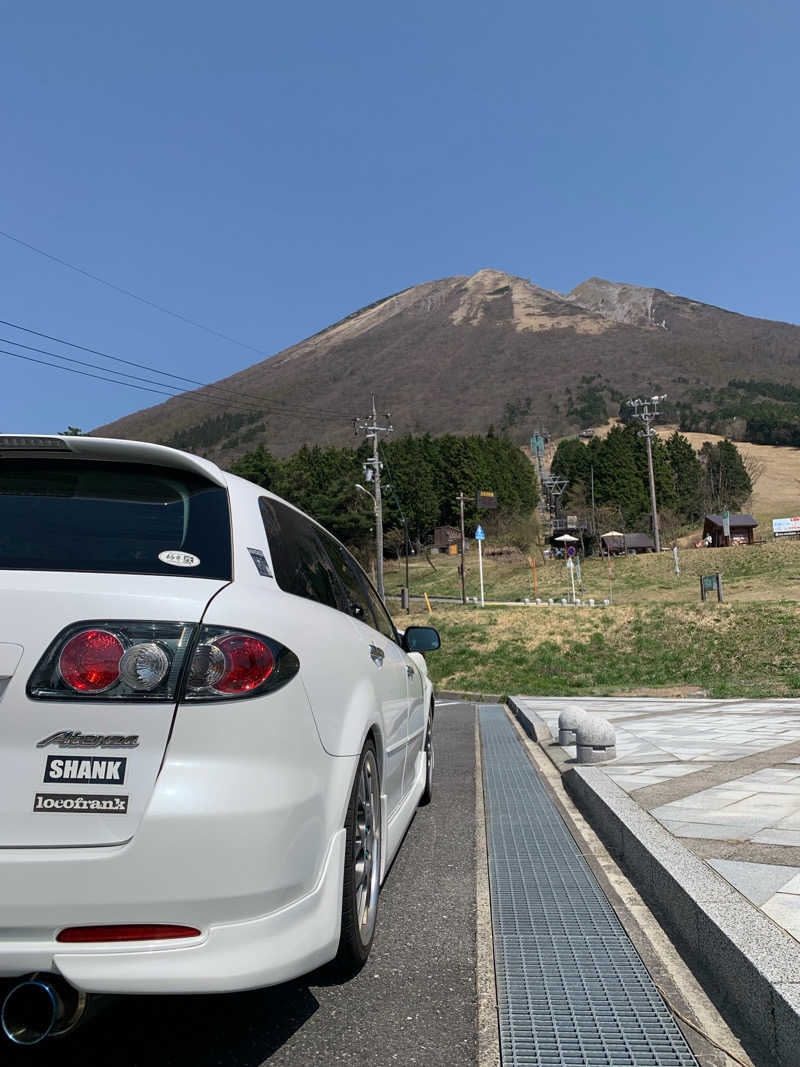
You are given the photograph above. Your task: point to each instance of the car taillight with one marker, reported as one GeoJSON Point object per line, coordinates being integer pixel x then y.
{"type": "Point", "coordinates": [166, 661]}
{"type": "Point", "coordinates": [235, 663]}
{"type": "Point", "coordinates": [89, 661]}
{"type": "Point", "coordinates": [114, 659]}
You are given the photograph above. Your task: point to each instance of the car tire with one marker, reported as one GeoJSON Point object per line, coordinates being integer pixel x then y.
{"type": "Point", "coordinates": [427, 792]}
{"type": "Point", "coordinates": [362, 866]}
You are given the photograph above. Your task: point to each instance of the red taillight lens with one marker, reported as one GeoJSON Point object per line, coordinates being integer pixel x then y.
{"type": "Point", "coordinates": [227, 664]}
{"type": "Point", "coordinates": [75, 935]}
{"type": "Point", "coordinates": [248, 663]}
{"type": "Point", "coordinates": [89, 661]}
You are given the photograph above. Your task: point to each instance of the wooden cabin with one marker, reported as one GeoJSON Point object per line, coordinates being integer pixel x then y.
{"type": "Point", "coordinates": [632, 543]}
{"type": "Point", "coordinates": [742, 528]}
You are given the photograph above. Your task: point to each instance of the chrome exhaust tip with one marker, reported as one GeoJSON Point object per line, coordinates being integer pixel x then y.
{"type": "Point", "coordinates": [41, 1006]}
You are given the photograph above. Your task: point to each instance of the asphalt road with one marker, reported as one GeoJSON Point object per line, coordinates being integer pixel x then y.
{"type": "Point", "coordinates": [413, 1003]}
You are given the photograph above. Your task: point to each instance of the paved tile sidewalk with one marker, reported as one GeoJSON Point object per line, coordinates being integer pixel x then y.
{"type": "Point", "coordinates": [722, 776]}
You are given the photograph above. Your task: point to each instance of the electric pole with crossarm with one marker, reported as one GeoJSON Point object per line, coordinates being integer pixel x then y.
{"type": "Point", "coordinates": [646, 411]}
{"type": "Point", "coordinates": [372, 472]}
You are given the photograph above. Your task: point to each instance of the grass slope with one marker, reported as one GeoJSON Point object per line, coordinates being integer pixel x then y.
{"type": "Point", "coordinates": [723, 650]}
{"type": "Point", "coordinates": [657, 637]}
{"type": "Point", "coordinates": [768, 572]}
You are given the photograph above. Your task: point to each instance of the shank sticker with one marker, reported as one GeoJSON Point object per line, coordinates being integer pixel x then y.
{"type": "Point", "coordinates": [63, 769]}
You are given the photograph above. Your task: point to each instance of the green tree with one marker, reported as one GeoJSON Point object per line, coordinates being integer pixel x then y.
{"type": "Point", "coordinates": [571, 460]}
{"type": "Point", "coordinates": [617, 474]}
{"type": "Point", "coordinates": [687, 472]}
{"type": "Point", "coordinates": [726, 483]}
{"type": "Point", "coordinates": [258, 466]}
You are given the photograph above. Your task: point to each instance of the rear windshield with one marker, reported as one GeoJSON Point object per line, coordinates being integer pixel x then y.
{"type": "Point", "coordinates": [83, 515]}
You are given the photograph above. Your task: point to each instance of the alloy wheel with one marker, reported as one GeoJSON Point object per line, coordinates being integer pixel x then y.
{"type": "Point", "coordinates": [367, 849]}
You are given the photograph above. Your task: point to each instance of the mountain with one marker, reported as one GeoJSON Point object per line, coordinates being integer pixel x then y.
{"type": "Point", "coordinates": [465, 353]}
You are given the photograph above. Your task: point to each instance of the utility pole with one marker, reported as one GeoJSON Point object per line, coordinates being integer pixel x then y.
{"type": "Point", "coordinates": [647, 411]}
{"type": "Point", "coordinates": [372, 469]}
{"type": "Point", "coordinates": [463, 569]}
{"type": "Point", "coordinates": [594, 515]}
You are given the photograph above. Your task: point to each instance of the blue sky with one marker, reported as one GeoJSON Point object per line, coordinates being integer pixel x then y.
{"type": "Point", "coordinates": [268, 168]}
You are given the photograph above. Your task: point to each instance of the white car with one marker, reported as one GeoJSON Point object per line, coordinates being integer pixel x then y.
{"type": "Point", "coordinates": [212, 738]}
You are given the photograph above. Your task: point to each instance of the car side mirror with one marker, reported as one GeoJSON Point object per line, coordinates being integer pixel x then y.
{"type": "Point", "coordinates": [421, 639]}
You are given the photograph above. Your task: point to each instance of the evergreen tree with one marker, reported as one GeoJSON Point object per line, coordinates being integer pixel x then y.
{"type": "Point", "coordinates": [571, 460]}
{"type": "Point", "coordinates": [258, 466]}
{"type": "Point", "coordinates": [726, 483]}
{"type": "Point", "coordinates": [687, 472]}
{"type": "Point", "coordinates": [617, 474]}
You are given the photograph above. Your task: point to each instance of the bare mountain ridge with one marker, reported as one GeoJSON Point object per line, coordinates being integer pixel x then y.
{"type": "Point", "coordinates": [463, 353]}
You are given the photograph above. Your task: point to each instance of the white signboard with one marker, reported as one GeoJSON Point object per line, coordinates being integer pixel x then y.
{"type": "Point", "coordinates": [781, 527]}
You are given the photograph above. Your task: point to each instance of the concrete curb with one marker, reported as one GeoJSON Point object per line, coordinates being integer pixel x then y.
{"type": "Point", "coordinates": [754, 965]}
{"type": "Point", "coordinates": [469, 698]}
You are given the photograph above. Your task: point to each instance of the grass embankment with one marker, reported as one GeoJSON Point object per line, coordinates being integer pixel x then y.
{"type": "Point", "coordinates": [768, 572]}
{"type": "Point", "coordinates": [723, 650]}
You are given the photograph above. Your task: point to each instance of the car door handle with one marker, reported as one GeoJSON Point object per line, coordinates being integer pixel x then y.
{"type": "Point", "coordinates": [377, 655]}
{"type": "Point", "coordinates": [410, 671]}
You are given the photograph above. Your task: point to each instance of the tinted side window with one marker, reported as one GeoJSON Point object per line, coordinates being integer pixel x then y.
{"type": "Point", "coordinates": [382, 620]}
{"type": "Point", "coordinates": [376, 610]}
{"type": "Point", "coordinates": [354, 594]}
{"type": "Point", "coordinates": [300, 562]}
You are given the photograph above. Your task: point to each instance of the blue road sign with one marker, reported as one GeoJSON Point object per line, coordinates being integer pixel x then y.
{"type": "Point", "coordinates": [571, 551]}
{"type": "Point", "coordinates": [479, 534]}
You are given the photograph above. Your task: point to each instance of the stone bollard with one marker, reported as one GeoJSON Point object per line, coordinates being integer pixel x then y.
{"type": "Point", "coordinates": [591, 602]}
{"type": "Point", "coordinates": [550, 600]}
{"type": "Point", "coordinates": [568, 721]}
{"type": "Point", "coordinates": [538, 600]}
{"type": "Point", "coordinates": [597, 740]}
{"type": "Point", "coordinates": [564, 601]}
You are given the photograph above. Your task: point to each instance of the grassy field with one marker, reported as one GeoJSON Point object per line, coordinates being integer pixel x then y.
{"type": "Point", "coordinates": [715, 650]}
{"type": "Point", "coordinates": [768, 572]}
{"type": "Point", "coordinates": [656, 637]}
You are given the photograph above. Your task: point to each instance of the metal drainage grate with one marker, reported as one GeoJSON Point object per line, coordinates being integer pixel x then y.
{"type": "Point", "coordinates": [571, 987]}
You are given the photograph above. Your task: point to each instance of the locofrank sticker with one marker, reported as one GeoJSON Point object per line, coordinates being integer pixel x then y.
{"type": "Point", "coordinates": [80, 803]}
{"type": "Point", "coordinates": [176, 558]}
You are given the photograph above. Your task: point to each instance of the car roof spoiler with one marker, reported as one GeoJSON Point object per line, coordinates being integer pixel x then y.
{"type": "Point", "coordinates": [109, 448]}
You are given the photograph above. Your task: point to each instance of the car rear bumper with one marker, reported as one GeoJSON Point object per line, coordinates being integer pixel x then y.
{"type": "Point", "coordinates": [227, 957]}
{"type": "Point", "coordinates": [241, 840]}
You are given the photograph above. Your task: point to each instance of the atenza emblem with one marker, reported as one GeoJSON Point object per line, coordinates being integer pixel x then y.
{"type": "Point", "coordinates": [75, 739]}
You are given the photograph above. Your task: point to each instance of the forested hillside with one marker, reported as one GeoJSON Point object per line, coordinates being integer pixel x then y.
{"type": "Point", "coordinates": [688, 483]}
{"type": "Point", "coordinates": [422, 477]}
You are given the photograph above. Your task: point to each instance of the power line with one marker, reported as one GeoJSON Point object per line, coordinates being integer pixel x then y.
{"type": "Point", "coordinates": [87, 374]}
{"type": "Point", "coordinates": [249, 397]}
{"type": "Point", "coordinates": [134, 296]}
{"type": "Point", "coordinates": [191, 396]}
{"type": "Point", "coordinates": [96, 366]}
